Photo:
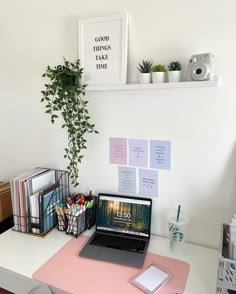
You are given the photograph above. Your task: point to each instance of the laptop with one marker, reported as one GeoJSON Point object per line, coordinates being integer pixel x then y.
{"type": "Point", "coordinates": [122, 233]}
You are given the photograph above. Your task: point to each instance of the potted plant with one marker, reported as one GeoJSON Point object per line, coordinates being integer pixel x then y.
{"type": "Point", "coordinates": [63, 95]}
{"type": "Point", "coordinates": [145, 68]}
{"type": "Point", "coordinates": [174, 74]}
{"type": "Point", "coordinates": [158, 73]}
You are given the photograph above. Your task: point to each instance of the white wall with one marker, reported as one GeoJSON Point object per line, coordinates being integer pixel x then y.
{"type": "Point", "coordinates": [199, 122]}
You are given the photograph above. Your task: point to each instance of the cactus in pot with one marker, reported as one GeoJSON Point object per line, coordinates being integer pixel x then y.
{"type": "Point", "coordinates": [145, 68]}
{"type": "Point", "coordinates": [158, 73]}
{"type": "Point", "coordinates": [174, 73]}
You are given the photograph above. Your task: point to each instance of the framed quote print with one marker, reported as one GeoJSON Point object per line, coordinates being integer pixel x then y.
{"type": "Point", "coordinates": [103, 49]}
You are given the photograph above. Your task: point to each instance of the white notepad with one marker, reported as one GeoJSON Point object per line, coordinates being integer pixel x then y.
{"type": "Point", "coordinates": [152, 279]}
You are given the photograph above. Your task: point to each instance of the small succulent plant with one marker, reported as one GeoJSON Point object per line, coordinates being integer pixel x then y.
{"type": "Point", "coordinates": [145, 66]}
{"type": "Point", "coordinates": [174, 66]}
{"type": "Point", "coordinates": [159, 68]}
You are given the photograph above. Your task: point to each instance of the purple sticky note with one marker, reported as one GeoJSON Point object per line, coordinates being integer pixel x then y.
{"type": "Point", "coordinates": [160, 154]}
{"type": "Point", "coordinates": [148, 182]}
{"type": "Point", "coordinates": [138, 152]}
{"type": "Point", "coordinates": [118, 150]}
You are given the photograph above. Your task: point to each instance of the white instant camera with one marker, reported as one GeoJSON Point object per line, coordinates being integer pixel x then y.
{"type": "Point", "coordinates": [200, 67]}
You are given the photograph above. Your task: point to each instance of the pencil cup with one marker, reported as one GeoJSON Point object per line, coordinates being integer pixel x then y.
{"type": "Point", "coordinates": [177, 230]}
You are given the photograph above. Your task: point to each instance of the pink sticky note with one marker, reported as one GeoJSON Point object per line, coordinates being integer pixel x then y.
{"type": "Point", "coordinates": [118, 150]}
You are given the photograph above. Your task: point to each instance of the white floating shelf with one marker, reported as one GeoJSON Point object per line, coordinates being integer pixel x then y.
{"type": "Point", "coordinates": [193, 84]}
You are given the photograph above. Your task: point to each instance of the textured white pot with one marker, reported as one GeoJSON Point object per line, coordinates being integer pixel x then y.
{"type": "Point", "coordinates": [144, 78]}
{"type": "Point", "coordinates": [158, 77]}
{"type": "Point", "coordinates": [174, 76]}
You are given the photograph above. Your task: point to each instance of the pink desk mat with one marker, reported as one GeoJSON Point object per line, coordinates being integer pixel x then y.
{"type": "Point", "coordinates": [68, 271]}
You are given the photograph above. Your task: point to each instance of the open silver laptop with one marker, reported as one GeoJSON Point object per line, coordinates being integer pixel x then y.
{"type": "Point", "coordinates": [122, 232]}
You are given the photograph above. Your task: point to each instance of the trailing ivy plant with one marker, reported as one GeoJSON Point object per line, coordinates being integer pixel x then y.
{"type": "Point", "coordinates": [64, 95]}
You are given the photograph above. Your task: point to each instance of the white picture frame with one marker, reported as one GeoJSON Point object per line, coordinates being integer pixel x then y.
{"type": "Point", "coordinates": [103, 43]}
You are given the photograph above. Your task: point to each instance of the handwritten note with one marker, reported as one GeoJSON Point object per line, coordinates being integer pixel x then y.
{"type": "Point", "coordinates": [127, 180]}
{"type": "Point", "coordinates": [160, 154]}
{"type": "Point", "coordinates": [148, 182]}
{"type": "Point", "coordinates": [138, 152]}
{"type": "Point", "coordinates": [118, 150]}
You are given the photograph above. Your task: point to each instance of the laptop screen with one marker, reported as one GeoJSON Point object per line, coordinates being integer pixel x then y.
{"type": "Point", "coordinates": [124, 214]}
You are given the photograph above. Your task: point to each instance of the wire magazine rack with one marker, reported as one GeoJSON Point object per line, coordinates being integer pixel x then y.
{"type": "Point", "coordinates": [45, 219]}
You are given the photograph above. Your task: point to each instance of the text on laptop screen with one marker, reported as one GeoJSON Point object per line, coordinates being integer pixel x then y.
{"type": "Point", "coordinates": [124, 215]}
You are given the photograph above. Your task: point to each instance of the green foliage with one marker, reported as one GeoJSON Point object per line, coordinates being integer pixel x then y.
{"type": "Point", "coordinates": [63, 95]}
{"type": "Point", "coordinates": [174, 66]}
{"type": "Point", "coordinates": [145, 66]}
{"type": "Point", "coordinates": [159, 68]}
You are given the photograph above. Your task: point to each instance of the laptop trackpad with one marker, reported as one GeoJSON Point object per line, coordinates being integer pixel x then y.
{"type": "Point", "coordinates": [90, 251]}
{"type": "Point", "coordinates": [117, 256]}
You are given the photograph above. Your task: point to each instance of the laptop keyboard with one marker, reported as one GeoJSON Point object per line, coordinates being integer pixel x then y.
{"type": "Point", "coordinates": [117, 242]}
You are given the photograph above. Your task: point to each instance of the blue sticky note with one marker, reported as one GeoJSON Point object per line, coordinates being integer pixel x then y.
{"type": "Point", "coordinates": [148, 182]}
{"type": "Point", "coordinates": [160, 154]}
{"type": "Point", "coordinates": [127, 180]}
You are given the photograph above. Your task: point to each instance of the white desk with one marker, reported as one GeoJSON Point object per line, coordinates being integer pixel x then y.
{"type": "Point", "coordinates": [24, 254]}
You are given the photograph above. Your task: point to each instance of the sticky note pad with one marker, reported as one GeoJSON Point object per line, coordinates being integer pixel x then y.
{"type": "Point", "coordinates": [152, 279]}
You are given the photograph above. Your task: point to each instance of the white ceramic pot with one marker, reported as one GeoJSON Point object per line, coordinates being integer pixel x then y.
{"type": "Point", "coordinates": [174, 76]}
{"type": "Point", "coordinates": [145, 78]}
{"type": "Point", "coordinates": [158, 77]}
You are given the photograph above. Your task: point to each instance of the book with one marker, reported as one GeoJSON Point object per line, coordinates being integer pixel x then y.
{"type": "Point", "coordinates": [34, 213]}
{"type": "Point", "coordinates": [39, 182]}
{"type": "Point", "coordinates": [42, 206]}
{"type": "Point", "coordinates": [48, 200]}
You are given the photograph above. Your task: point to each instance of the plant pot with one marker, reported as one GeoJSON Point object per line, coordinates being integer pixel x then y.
{"type": "Point", "coordinates": [145, 78]}
{"type": "Point", "coordinates": [158, 77]}
{"type": "Point", "coordinates": [174, 76]}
